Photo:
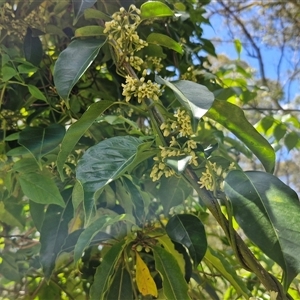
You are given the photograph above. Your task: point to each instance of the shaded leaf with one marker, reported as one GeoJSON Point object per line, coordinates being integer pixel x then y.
{"type": "Point", "coordinates": [121, 287]}
{"type": "Point", "coordinates": [91, 13]}
{"type": "Point", "coordinates": [98, 225]}
{"type": "Point", "coordinates": [40, 189]}
{"type": "Point", "coordinates": [188, 231]}
{"type": "Point", "coordinates": [233, 118]}
{"type": "Point", "coordinates": [80, 6]}
{"type": "Point", "coordinates": [7, 218]}
{"type": "Point", "coordinates": [268, 211]}
{"type": "Point", "coordinates": [33, 49]}
{"type": "Point", "coordinates": [104, 163]}
{"type": "Point", "coordinates": [172, 191]}
{"type": "Point", "coordinates": [9, 267]}
{"type": "Point", "coordinates": [155, 9]}
{"type": "Point", "coordinates": [144, 280]}
{"type": "Point", "coordinates": [174, 284]}
{"type": "Point", "coordinates": [40, 141]}
{"type": "Point", "coordinates": [227, 271]}
{"type": "Point", "coordinates": [165, 41]}
{"type": "Point", "coordinates": [73, 62]}
{"type": "Point", "coordinates": [105, 271]}
{"type": "Point", "coordinates": [36, 93]}
{"type": "Point", "coordinates": [291, 140]}
{"type": "Point", "coordinates": [54, 231]}
{"type": "Point", "coordinates": [77, 130]}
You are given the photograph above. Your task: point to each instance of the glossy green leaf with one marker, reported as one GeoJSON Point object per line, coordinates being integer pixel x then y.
{"type": "Point", "coordinates": [155, 9]}
{"type": "Point", "coordinates": [40, 141]}
{"type": "Point", "coordinates": [121, 287]}
{"type": "Point", "coordinates": [195, 97]}
{"type": "Point", "coordinates": [269, 212]}
{"type": "Point", "coordinates": [54, 231]}
{"type": "Point", "coordinates": [105, 272]}
{"type": "Point", "coordinates": [91, 13]}
{"type": "Point", "coordinates": [36, 93]}
{"type": "Point", "coordinates": [77, 130]}
{"type": "Point", "coordinates": [98, 225]}
{"type": "Point", "coordinates": [165, 41]}
{"type": "Point", "coordinates": [188, 231]}
{"type": "Point", "coordinates": [80, 6]}
{"type": "Point", "coordinates": [233, 118]}
{"type": "Point", "coordinates": [88, 31]}
{"type": "Point", "coordinates": [172, 191]}
{"type": "Point", "coordinates": [106, 161]}
{"type": "Point", "coordinates": [227, 271]}
{"type": "Point", "coordinates": [40, 189]}
{"type": "Point", "coordinates": [174, 284]}
{"type": "Point", "coordinates": [73, 62]}
{"type": "Point", "coordinates": [33, 49]}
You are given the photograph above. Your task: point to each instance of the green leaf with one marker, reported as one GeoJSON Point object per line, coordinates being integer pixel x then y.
{"type": "Point", "coordinates": [268, 211]}
{"type": "Point", "coordinates": [279, 131]}
{"type": "Point", "coordinates": [195, 97]}
{"type": "Point", "coordinates": [106, 161]}
{"type": "Point", "coordinates": [40, 189]}
{"type": "Point", "coordinates": [88, 31]}
{"type": "Point", "coordinates": [8, 73]}
{"type": "Point", "coordinates": [33, 49]}
{"type": "Point", "coordinates": [188, 231]}
{"type": "Point", "coordinates": [77, 130]}
{"type": "Point", "coordinates": [233, 118]}
{"type": "Point", "coordinates": [165, 41]}
{"type": "Point", "coordinates": [37, 213]}
{"type": "Point", "coordinates": [121, 287]}
{"type": "Point", "coordinates": [238, 47]}
{"type": "Point", "coordinates": [98, 225]}
{"type": "Point", "coordinates": [227, 271]}
{"type": "Point", "coordinates": [7, 218]}
{"type": "Point", "coordinates": [155, 9]}
{"type": "Point", "coordinates": [291, 140]}
{"type": "Point", "coordinates": [36, 93]}
{"type": "Point", "coordinates": [54, 231]}
{"type": "Point", "coordinates": [80, 6]}
{"type": "Point", "coordinates": [105, 271]}
{"type": "Point", "coordinates": [9, 267]}
{"type": "Point", "coordinates": [40, 141]}
{"type": "Point", "coordinates": [73, 62]}
{"type": "Point", "coordinates": [172, 191]}
{"type": "Point", "coordinates": [91, 13]}
{"type": "Point", "coordinates": [174, 284]}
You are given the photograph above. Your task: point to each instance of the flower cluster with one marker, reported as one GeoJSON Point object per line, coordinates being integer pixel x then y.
{"type": "Point", "coordinates": [182, 124]}
{"type": "Point", "coordinates": [140, 89]}
{"type": "Point", "coordinates": [153, 62]}
{"type": "Point", "coordinates": [190, 74]}
{"type": "Point", "coordinates": [122, 30]}
{"type": "Point", "coordinates": [174, 150]}
{"type": "Point", "coordinates": [213, 177]}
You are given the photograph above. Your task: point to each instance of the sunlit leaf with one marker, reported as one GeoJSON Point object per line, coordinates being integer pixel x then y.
{"type": "Point", "coordinates": [77, 130]}
{"type": "Point", "coordinates": [155, 9]}
{"type": "Point", "coordinates": [268, 211]}
{"type": "Point", "coordinates": [195, 97]}
{"type": "Point", "coordinates": [233, 118]}
{"type": "Point", "coordinates": [174, 284]}
{"type": "Point", "coordinates": [165, 41]}
{"type": "Point", "coordinates": [105, 271]}
{"type": "Point", "coordinates": [227, 271]}
{"type": "Point", "coordinates": [91, 13]}
{"type": "Point", "coordinates": [144, 280]}
{"type": "Point", "coordinates": [188, 231]}
{"type": "Point", "coordinates": [73, 62]}
{"type": "Point", "coordinates": [88, 31]}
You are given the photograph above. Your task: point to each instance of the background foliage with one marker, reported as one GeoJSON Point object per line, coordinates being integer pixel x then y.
{"type": "Point", "coordinates": [124, 141]}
